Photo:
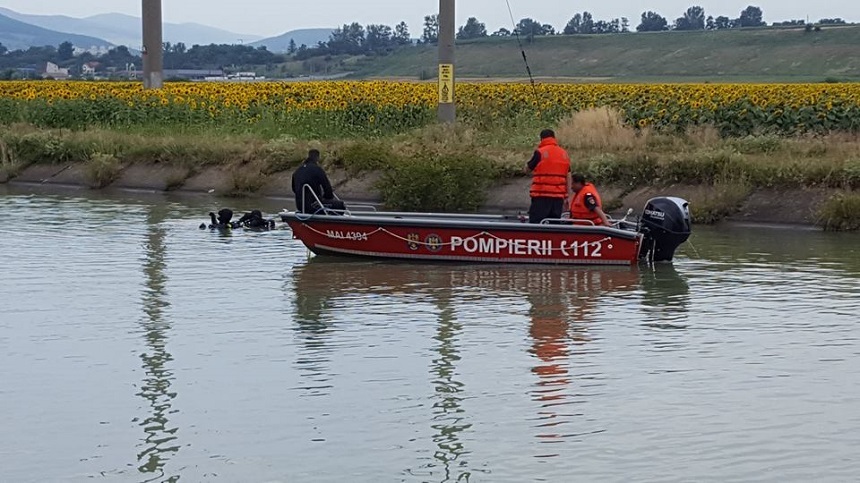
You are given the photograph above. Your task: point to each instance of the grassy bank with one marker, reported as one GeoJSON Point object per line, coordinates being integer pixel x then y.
{"type": "Point", "coordinates": [755, 55]}
{"type": "Point", "coordinates": [444, 168]}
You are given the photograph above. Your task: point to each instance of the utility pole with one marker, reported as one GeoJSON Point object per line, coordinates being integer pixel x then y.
{"type": "Point", "coordinates": [447, 99]}
{"type": "Point", "coordinates": [153, 55]}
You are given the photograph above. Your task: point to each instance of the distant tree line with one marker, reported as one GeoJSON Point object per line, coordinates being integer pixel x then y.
{"type": "Point", "coordinates": [176, 56]}
{"type": "Point", "coordinates": [217, 56]}
{"type": "Point", "coordinates": [378, 39]}
{"type": "Point", "coordinates": [356, 39]}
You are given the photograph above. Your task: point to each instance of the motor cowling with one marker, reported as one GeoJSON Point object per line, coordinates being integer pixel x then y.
{"type": "Point", "coordinates": [666, 224]}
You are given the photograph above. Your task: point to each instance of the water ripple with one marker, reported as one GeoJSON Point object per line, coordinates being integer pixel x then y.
{"type": "Point", "coordinates": [137, 347]}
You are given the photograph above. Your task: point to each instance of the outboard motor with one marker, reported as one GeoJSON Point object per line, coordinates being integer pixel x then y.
{"type": "Point", "coordinates": [666, 224]}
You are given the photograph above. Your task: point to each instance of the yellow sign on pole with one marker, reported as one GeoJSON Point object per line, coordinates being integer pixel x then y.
{"type": "Point", "coordinates": [446, 83]}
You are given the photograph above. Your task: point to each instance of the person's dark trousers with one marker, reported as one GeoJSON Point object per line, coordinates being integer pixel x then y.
{"type": "Point", "coordinates": [544, 208]}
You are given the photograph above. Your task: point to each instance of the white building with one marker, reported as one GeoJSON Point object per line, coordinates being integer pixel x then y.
{"type": "Point", "coordinates": [89, 69]}
{"type": "Point", "coordinates": [54, 71]}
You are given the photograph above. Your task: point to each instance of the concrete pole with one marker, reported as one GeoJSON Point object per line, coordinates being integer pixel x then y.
{"type": "Point", "coordinates": [447, 25]}
{"type": "Point", "coordinates": [153, 56]}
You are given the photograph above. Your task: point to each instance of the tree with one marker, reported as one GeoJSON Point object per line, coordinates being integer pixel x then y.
{"type": "Point", "coordinates": [401, 34]}
{"type": "Point", "coordinates": [472, 30]}
{"type": "Point", "coordinates": [652, 22]}
{"type": "Point", "coordinates": [751, 17]}
{"type": "Point", "coordinates": [584, 23]}
{"type": "Point", "coordinates": [790, 23]}
{"type": "Point", "coordinates": [66, 51]}
{"type": "Point", "coordinates": [379, 38]}
{"type": "Point", "coordinates": [431, 29]}
{"type": "Point", "coordinates": [502, 32]}
{"type": "Point", "coordinates": [119, 57]}
{"type": "Point", "coordinates": [587, 26]}
{"type": "Point", "coordinates": [528, 27]}
{"type": "Point", "coordinates": [693, 19]}
{"type": "Point", "coordinates": [574, 25]}
{"type": "Point", "coordinates": [832, 21]}
{"type": "Point", "coordinates": [292, 47]}
{"type": "Point", "coordinates": [723, 23]}
{"type": "Point", "coordinates": [348, 39]}
{"type": "Point", "coordinates": [710, 23]}
{"type": "Point", "coordinates": [603, 27]}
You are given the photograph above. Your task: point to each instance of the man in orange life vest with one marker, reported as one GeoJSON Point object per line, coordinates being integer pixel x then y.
{"type": "Point", "coordinates": [586, 204]}
{"type": "Point", "coordinates": [551, 183]}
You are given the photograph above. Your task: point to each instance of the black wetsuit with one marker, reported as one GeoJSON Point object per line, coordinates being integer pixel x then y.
{"type": "Point", "coordinates": [310, 173]}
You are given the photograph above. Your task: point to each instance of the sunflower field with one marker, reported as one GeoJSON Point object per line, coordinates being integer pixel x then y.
{"type": "Point", "coordinates": [382, 107]}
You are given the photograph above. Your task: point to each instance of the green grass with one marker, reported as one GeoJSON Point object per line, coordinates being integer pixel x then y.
{"type": "Point", "coordinates": [753, 55]}
{"type": "Point", "coordinates": [841, 213]}
{"type": "Point", "coordinates": [102, 170]}
{"type": "Point", "coordinates": [451, 168]}
{"type": "Point", "coordinates": [724, 199]}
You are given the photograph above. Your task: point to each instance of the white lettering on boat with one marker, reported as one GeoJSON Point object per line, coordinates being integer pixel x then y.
{"type": "Point", "coordinates": [523, 247]}
{"type": "Point", "coordinates": [346, 235]}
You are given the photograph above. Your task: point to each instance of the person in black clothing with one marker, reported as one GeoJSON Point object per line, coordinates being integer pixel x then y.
{"type": "Point", "coordinates": [255, 221]}
{"type": "Point", "coordinates": [312, 177]}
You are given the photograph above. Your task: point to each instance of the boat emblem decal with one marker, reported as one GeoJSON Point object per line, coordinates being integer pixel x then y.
{"type": "Point", "coordinates": [433, 242]}
{"type": "Point", "coordinates": [413, 239]}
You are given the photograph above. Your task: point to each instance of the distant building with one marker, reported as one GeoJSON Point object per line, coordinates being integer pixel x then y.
{"type": "Point", "coordinates": [90, 68]}
{"type": "Point", "coordinates": [95, 50]}
{"type": "Point", "coordinates": [53, 71]}
{"type": "Point", "coordinates": [190, 74]}
{"type": "Point", "coordinates": [245, 76]}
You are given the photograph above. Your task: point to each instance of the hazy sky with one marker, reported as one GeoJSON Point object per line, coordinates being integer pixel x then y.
{"type": "Point", "coordinates": [266, 18]}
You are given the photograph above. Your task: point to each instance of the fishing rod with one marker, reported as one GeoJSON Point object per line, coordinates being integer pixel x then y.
{"type": "Point", "coordinates": [522, 49]}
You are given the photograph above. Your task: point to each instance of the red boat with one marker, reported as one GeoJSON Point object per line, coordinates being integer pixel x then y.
{"type": "Point", "coordinates": [665, 224]}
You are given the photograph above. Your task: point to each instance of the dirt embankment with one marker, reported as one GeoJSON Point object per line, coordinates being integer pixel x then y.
{"type": "Point", "coordinates": [510, 195]}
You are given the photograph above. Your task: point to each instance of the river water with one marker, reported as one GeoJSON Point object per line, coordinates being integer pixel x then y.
{"type": "Point", "coordinates": [135, 347]}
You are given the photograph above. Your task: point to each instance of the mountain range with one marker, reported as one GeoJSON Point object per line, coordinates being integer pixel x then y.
{"type": "Point", "coordinates": [115, 29]}
{"type": "Point", "coordinates": [15, 34]}
{"type": "Point", "coordinates": [21, 31]}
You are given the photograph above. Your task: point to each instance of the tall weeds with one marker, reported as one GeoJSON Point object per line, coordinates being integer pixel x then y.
{"type": "Point", "coordinates": [600, 128]}
{"type": "Point", "coordinates": [841, 213]}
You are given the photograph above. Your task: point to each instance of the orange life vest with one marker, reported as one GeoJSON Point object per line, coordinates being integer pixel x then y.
{"type": "Point", "coordinates": [578, 210]}
{"type": "Point", "coordinates": [549, 179]}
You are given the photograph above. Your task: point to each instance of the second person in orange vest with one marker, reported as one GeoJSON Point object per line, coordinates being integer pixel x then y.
{"type": "Point", "coordinates": [586, 205]}
{"type": "Point", "coordinates": [550, 169]}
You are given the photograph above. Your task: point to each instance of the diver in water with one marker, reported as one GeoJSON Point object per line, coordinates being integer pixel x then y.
{"type": "Point", "coordinates": [222, 222]}
{"type": "Point", "coordinates": [254, 220]}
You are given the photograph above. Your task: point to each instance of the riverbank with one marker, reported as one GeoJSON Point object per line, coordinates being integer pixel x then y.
{"type": "Point", "coordinates": [772, 206]}
{"type": "Point", "coordinates": [769, 179]}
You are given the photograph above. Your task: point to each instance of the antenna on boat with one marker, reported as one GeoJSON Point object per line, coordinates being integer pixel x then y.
{"type": "Point", "coordinates": [522, 49]}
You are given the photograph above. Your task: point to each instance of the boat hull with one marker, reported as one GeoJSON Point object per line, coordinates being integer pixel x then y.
{"type": "Point", "coordinates": [464, 240]}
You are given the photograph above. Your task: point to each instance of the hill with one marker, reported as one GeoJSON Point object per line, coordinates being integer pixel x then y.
{"type": "Point", "coordinates": [733, 55]}
{"type": "Point", "coordinates": [281, 43]}
{"type": "Point", "coordinates": [15, 35]}
{"type": "Point", "coordinates": [123, 29]}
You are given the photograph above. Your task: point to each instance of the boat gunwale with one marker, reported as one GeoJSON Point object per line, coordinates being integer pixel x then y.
{"type": "Point", "coordinates": [462, 222]}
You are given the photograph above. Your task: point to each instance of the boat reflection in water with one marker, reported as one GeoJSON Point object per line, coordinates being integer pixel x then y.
{"type": "Point", "coordinates": [562, 303]}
